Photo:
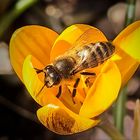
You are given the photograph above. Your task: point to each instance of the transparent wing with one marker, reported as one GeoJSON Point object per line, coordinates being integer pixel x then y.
{"type": "Point", "coordinates": [91, 35]}
{"type": "Point", "coordinates": [86, 38]}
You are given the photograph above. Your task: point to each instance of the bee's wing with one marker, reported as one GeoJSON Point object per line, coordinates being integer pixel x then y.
{"type": "Point", "coordinates": [89, 36]}
{"type": "Point", "coordinates": [86, 60]}
{"type": "Point", "coordinates": [86, 38]}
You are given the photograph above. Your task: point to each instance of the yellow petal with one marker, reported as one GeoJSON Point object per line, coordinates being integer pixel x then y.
{"type": "Point", "coordinates": [127, 51]}
{"type": "Point", "coordinates": [34, 40]}
{"type": "Point", "coordinates": [33, 84]}
{"type": "Point", "coordinates": [103, 92]}
{"type": "Point", "coordinates": [126, 64]}
{"type": "Point", "coordinates": [129, 40]}
{"type": "Point", "coordinates": [71, 34]}
{"type": "Point", "coordinates": [62, 121]}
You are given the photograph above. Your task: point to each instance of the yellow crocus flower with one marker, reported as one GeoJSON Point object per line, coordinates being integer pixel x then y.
{"type": "Point", "coordinates": [36, 47]}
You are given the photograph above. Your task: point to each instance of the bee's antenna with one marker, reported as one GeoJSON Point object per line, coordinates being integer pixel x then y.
{"type": "Point", "coordinates": [40, 90]}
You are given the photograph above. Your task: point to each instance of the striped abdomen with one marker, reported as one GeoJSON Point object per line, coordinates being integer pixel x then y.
{"type": "Point", "coordinates": [102, 51]}
{"type": "Point", "coordinates": [88, 56]}
{"type": "Point", "coordinates": [97, 53]}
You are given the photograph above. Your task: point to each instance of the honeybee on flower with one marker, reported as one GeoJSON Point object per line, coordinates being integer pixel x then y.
{"type": "Point", "coordinates": [81, 56]}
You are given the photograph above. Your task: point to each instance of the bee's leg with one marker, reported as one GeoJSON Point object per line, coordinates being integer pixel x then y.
{"type": "Point", "coordinates": [38, 70]}
{"type": "Point", "coordinates": [59, 92]}
{"type": "Point", "coordinates": [88, 73]}
{"type": "Point", "coordinates": [74, 89]}
{"type": "Point", "coordinates": [75, 86]}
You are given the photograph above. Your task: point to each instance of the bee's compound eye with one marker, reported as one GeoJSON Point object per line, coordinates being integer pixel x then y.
{"type": "Point", "coordinates": [55, 78]}
{"type": "Point", "coordinates": [52, 76]}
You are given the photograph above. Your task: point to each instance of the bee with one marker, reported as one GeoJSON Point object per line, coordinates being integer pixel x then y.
{"type": "Point", "coordinates": [81, 56]}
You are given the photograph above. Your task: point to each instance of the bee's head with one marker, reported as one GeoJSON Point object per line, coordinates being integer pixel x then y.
{"type": "Point", "coordinates": [52, 77]}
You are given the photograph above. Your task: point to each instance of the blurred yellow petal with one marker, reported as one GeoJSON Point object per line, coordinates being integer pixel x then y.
{"type": "Point", "coordinates": [62, 121]}
{"type": "Point", "coordinates": [129, 40]}
{"type": "Point", "coordinates": [70, 35]}
{"type": "Point", "coordinates": [127, 51]}
{"type": "Point", "coordinates": [34, 40]}
{"type": "Point", "coordinates": [103, 92]}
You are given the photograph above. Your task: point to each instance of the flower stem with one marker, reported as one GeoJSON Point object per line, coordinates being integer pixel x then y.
{"type": "Point", "coordinates": [119, 110]}
{"type": "Point", "coordinates": [130, 14]}
{"type": "Point", "coordinates": [109, 129]}
{"type": "Point", "coordinates": [18, 9]}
